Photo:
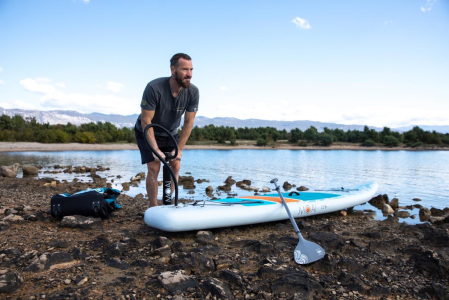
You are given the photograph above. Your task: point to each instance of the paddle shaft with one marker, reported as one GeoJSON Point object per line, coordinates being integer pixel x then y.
{"type": "Point", "coordinates": [278, 189]}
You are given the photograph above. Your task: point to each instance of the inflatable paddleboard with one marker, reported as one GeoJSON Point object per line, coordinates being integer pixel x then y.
{"type": "Point", "coordinates": [255, 209]}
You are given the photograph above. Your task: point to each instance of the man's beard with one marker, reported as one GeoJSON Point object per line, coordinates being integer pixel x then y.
{"type": "Point", "coordinates": [184, 84]}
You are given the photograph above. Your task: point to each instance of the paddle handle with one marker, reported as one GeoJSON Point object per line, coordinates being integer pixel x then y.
{"type": "Point", "coordinates": [278, 189]}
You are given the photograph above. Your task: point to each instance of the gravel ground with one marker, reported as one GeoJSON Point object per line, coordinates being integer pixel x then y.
{"type": "Point", "coordinates": [122, 258]}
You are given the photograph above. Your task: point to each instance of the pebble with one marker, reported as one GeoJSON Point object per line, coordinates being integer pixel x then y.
{"type": "Point", "coordinates": [82, 281]}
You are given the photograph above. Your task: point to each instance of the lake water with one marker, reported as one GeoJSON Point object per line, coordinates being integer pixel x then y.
{"type": "Point", "coordinates": [402, 174]}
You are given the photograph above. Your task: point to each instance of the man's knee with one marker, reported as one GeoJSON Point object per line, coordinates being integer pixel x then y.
{"type": "Point", "coordinates": [153, 168]}
{"type": "Point", "coordinates": [175, 165]}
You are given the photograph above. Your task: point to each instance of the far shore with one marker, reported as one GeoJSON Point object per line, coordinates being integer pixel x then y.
{"type": "Point", "coordinates": [33, 146]}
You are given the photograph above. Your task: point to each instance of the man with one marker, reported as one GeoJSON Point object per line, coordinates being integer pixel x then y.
{"type": "Point", "coordinates": [164, 102]}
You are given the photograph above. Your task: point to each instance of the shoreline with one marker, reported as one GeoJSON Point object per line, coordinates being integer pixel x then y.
{"type": "Point", "coordinates": [34, 146]}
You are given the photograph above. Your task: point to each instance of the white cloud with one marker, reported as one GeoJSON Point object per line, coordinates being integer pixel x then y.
{"type": "Point", "coordinates": [10, 104]}
{"type": "Point", "coordinates": [52, 98]}
{"type": "Point", "coordinates": [428, 6]}
{"type": "Point", "coordinates": [38, 85]}
{"type": "Point", "coordinates": [223, 88]}
{"type": "Point", "coordinates": [1, 69]}
{"type": "Point", "coordinates": [60, 84]}
{"type": "Point", "coordinates": [86, 1]}
{"type": "Point", "coordinates": [114, 86]}
{"type": "Point", "coordinates": [2, 82]}
{"type": "Point", "coordinates": [43, 80]}
{"type": "Point", "coordinates": [304, 24]}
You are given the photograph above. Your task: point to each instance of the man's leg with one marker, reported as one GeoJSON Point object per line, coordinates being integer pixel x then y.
{"type": "Point", "coordinates": [175, 166]}
{"type": "Point", "coordinates": [151, 181]}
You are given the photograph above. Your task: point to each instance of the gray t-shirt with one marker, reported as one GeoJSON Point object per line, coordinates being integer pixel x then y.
{"type": "Point", "coordinates": [168, 110]}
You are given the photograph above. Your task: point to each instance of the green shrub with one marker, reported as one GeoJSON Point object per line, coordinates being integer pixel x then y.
{"type": "Point", "coordinates": [262, 142]}
{"type": "Point", "coordinates": [302, 143]}
{"type": "Point", "coordinates": [416, 144]}
{"type": "Point", "coordinates": [325, 139]}
{"type": "Point", "coordinates": [368, 143]}
{"type": "Point", "coordinates": [390, 141]}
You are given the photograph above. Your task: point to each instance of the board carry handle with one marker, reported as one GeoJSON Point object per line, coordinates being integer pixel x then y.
{"type": "Point", "coordinates": [164, 161]}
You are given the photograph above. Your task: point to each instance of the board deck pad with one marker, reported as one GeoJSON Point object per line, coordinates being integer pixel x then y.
{"type": "Point", "coordinates": [274, 198]}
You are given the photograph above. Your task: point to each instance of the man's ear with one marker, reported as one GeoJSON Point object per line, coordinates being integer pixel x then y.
{"type": "Point", "coordinates": [172, 69]}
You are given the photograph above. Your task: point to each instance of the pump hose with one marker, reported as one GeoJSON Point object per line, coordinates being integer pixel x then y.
{"type": "Point", "coordinates": [160, 157]}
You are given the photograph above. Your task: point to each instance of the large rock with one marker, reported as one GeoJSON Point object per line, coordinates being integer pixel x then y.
{"type": "Point", "coordinates": [115, 249]}
{"type": "Point", "coordinates": [186, 180]}
{"type": "Point", "coordinates": [379, 201]}
{"type": "Point", "coordinates": [51, 261]}
{"type": "Point", "coordinates": [118, 264]}
{"type": "Point", "coordinates": [387, 209]}
{"type": "Point", "coordinates": [162, 241]}
{"type": "Point", "coordinates": [232, 278]}
{"type": "Point", "coordinates": [327, 240]}
{"type": "Point", "coordinates": [177, 282]}
{"type": "Point", "coordinates": [424, 214]}
{"type": "Point", "coordinates": [30, 170]}
{"type": "Point", "coordinates": [431, 264]}
{"type": "Point", "coordinates": [299, 283]}
{"type": "Point", "coordinates": [394, 203]}
{"type": "Point", "coordinates": [195, 262]}
{"type": "Point", "coordinates": [436, 212]}
{"type": "Point", "coordinates": [287, 186]}
{"type": "Point", "coordinates": [229, 181]}
{"type": "Point", "coordinates": [10, 280]}
{"type": "Point", "coordinates": [80, 222]}
{"type": "Point", "coordinates": [217, 288]}
{"type": "Point", "coordinates": [204, 237]}
{"type": "Point", "coordinates": [13, 219]}
{"type": "Point", "coordinates": [9, 171]}
{"type": "Point", "coordinates": [271, 271]}
{"type": "Point", "coordinates": [402, 214]}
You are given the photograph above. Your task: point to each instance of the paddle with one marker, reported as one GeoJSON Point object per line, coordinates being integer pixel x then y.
{"type": "Point", "coordinates": [306, 252]}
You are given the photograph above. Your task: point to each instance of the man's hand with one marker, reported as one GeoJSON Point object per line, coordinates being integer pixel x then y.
{"type": "Point", "coordinates": [160, 153]}
{"type": "Point", "coordinates": [177, 157]}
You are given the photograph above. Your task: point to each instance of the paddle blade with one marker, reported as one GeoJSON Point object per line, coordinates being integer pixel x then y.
{"type": "Point", "coordinates": [308, 252]}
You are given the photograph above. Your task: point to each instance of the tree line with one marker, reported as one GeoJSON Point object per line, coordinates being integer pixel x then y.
{"type": "Point", "coordinates": [16, 128]}
{"type": "Point", "coordinates": [368, 137]}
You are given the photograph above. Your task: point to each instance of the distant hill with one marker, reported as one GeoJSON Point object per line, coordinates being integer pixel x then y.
{"type": "Point", "coordinates": [439, 129]}
{"type": "Point", "coordinates": [280, 125]}
{"type": "Point", "coordinates": [65, 116]}
{"type": "Point", "coordinates": [54, 117]}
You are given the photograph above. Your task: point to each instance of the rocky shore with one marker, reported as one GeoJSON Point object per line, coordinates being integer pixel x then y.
{"type": "Point", "coordinates": [122, 258]}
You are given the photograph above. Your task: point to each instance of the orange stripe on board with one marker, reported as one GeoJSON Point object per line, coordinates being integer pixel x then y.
{"type": "Point", "coordinates": [272, 199]}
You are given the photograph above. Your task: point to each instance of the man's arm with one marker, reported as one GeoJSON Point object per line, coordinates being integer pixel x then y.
{"type": "Point", "coordinates": [189, 117]}
{"type": "Point", "coordinates": [147, 117]}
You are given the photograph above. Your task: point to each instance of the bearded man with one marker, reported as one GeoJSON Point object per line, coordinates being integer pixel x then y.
{"type": "Point", "coordinates": [164, 102]}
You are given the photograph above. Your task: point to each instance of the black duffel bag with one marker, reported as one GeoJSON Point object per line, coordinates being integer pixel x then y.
{"type": "Point", "coordinates": [92, 203]}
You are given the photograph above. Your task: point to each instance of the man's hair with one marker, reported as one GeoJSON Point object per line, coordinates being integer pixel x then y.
{"type": "Point", "coordinates": [175, 59]}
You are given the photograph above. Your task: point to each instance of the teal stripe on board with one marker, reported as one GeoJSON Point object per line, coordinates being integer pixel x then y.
{"type": "Point", "coordinates": [250, 202]}
{"type": "Point", "coordinates": [301, 196]}
{"type": "Point", "coordinates": [307, 196]}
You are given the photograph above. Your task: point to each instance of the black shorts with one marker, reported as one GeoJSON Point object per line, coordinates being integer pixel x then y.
{"type": "Point", "coordinates": [165, 144]}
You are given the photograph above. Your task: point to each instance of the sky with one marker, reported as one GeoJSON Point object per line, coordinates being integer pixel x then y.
{"type": "Point", "coordinates": [371, 62]}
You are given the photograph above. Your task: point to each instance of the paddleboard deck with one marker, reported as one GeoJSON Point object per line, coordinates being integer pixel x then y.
{"type": "Point", "coordinates": [246, 210]}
